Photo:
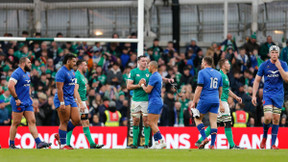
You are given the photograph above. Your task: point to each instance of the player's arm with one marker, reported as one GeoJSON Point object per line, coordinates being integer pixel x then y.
{"type": "Point", "coordinates": [197, 95]}
{"type": "Point", "coordinates": [131, 86]}
{"type": "Point", "coordinates": [255, 89]}
{"type": "Point", "coordinates": [283, 73]}
{"type": "Point", "coordinates": [11, 87]}
{"type": "Point", "coordinates": [78, 99]}
{"type": "Point", "coordinates": [147, 89]}
{"type": "Point", "coordinates": [59, 86]}
{"type": "Point", "coordinates": [233, 95]}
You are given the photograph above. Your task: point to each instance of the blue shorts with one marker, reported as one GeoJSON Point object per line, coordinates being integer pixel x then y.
{"type": "Point", "coordinates": [154, 108]}
{"type": "Point", "coordinates": [275, 100]}
{"type": "Point", "coordinates": [68, 101]}
{"type": "Point", "coordinates": [205, 107]}
{"type": "Point", "coordinates": [22, 107]}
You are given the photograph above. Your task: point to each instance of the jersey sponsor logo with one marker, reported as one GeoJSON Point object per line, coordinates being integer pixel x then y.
{"type": "Point", "coordinates": [73, 81]}
{"type": "Point", "coordinates": [274, 74]}
{"type": "Point", "coordinates": [138, 75]}
{"type": "Point", "coordinates": [147, 75]}
{"type": "Point", "coordinates": [28, 83]}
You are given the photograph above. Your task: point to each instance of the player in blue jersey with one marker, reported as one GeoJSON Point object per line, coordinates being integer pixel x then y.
{"type": "Point", "coordinates": [64, 100]}
{"type": "Point", "coordinates": [274, 72]}
{"type": "Point", "coordinates": [209, 89]}
{"type": "Point", "coordinates": [155, 103]}
{"type": "Point", "coordinates": [21, 102]}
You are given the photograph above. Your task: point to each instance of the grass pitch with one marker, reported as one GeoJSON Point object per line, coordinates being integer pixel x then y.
{"type": "Point", "coordinates": [138, 155]}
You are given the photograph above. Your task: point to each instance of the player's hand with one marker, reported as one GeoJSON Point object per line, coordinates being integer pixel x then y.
{"type": "Point", "coordinates": [170, 80]}
{"type": "Point", "coordinates": [18, 102]}
{"type": "Point", "coordinates": [239, 99]}
{"type": "Point", "coordinates": [82, 107]}
{"type": "Point", "coordinates": [278, 64]}
{"type": "Point", "coordinates": [192, 106]}
{"type": "Point", "coordinates": [142, 81]}
{"type": "Point", "coordinates": [62, 108]}
{"type": "Point", "coordinates": [254, 101]}
{"type": "Point", "coordinates": [222, 109]}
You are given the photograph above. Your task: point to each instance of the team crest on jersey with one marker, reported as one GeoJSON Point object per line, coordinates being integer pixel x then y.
{"type": "Point", "coordinates": [147, 75]}
{"type": "Point", "coordinates": [137, 75]}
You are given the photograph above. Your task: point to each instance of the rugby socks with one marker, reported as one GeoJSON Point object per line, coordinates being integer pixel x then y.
{"type": "Point", "coordinates": [70, 126]}
{"type": "Point", "coordinates": [135, 135]}
{"type": "Point", "coordinates": [274, 134]}
{"type": "Point", "coordinates": [37, 140]}
{"type": "Point", "coordinates": [11, 143]}
{"type": "Point", "coordinates": [87, 133]}
{"type": "Point", "coordinates": [229, 136]}
{"type": "Point", "coordinates": [68, 138]}
{"type": "Point", "coordinates": [213, 136]}
{"type": "Point", "coordinates": [201, 129]}
{"type": "Point", "coordinates": [265, 130]}
{"type": "Point", "coordinates": [62, 135]}
{"type": "Point", "coordinates": [157, 136]}
{"type": "Point", "coordinates": [147, 135]}
{"type": "Point", "coordinates": [207, 133]}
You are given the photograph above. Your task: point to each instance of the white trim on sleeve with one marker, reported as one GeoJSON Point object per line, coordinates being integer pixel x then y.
{"type": "Point", "coordinates": [14, 80]}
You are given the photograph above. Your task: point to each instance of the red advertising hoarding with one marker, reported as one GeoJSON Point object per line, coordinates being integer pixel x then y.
{"type": "Point", "coordinates": [116, 137]}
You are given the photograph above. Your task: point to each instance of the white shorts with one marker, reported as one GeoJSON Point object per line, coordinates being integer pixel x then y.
{"type": "Point", "coordinates": [225, 116]}
{"type": "Point", "coordinates": [139, 106]}
{"type": "Point", "coordinates": [86, 111]}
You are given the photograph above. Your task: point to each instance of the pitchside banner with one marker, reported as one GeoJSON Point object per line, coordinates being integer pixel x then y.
{"type": "Point", "coordinates": [116, 137]}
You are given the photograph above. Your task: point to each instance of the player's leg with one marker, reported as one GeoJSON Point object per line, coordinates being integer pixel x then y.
{"type": "Point", "coordinates": [153, 123]}
{"type": "Point", "coordinates": [275, 126]}
{"type": "Point", "coordinates": [203, 109]}
{"type": "Point", "coordinates": [135, 112]}
{"type": "Point", "coordinates": [16, 120]}
{"type": "Point", "coordinates": [267, 123]}
{"type": "Point", "coordinates": [145, 123]}
{"type": "Point", "coordinates": [213, 124]}
{"type": "Point", "coordinates": [64, 117]}
{"type": "Point", "coordinates": [30, 117]}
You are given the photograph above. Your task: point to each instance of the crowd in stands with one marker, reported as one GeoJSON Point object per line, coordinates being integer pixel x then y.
{"type": "Point", "coordinates": [109, 66]}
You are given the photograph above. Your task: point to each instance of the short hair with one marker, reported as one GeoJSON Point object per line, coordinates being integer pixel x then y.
{"type": "Point", "coordinates": [25, 32]}
{"type": "Point", "coordinates": [79, 62]}
{"type": "Point", "coordinates": [68, 57]}
{"type": "Point", "coordinates": [22, 60]}
{"type": "Point", "coordinates": [154, 63]}
{"type": "Point", "coordinates": [208, 60]}
{"type": "Point", "coordinates": [221, 62]}
{"type": "Point", "coordinates": [139, 58]}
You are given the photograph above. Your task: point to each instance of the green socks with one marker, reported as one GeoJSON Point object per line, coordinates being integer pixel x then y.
{"type": "Point", "coordinates": [147, 135]}
{"type": "Point", "coordinates": [135, 135]}
{"type": "Point", "coordinates": [207, 133]}
{"type": "Point", "coordinates": [68, 137]}
{"type": "Point", "coordinates": [229, 136]}
{"type": "Point", "coordinates": [87, 133]}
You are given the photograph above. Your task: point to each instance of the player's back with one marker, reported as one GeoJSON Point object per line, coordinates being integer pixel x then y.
{"type": "Point", "coordinates": [211, 80]}
{"type": "Point", "coordinates": [68, 78]}
{"type": "Point", "coordinates": [155, 95]}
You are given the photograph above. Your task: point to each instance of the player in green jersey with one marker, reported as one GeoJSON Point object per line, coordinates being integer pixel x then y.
{"type": "Point", "coordinates": [81, 99]}
{"type": "Point", "coordinates": [139, 102]}
{"type": "Point", "coordinates": [224, 111]}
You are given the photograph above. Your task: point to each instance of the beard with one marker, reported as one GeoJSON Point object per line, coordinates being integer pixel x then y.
{"type": "Point", "coordinates": [26, 68]}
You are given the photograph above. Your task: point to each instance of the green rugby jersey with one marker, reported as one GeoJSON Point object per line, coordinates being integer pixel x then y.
{"type": "Point", "coordinates": [225, 88]}
{"type": "Point", "coordinates": [82, 82]}
{"type": "Point", "coordinates": [136, 75]}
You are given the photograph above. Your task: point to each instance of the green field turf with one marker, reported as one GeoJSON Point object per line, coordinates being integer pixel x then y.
{"type": "Point", "coordinates": [128, 155]}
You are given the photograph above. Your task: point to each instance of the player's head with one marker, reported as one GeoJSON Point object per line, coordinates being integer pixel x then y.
{"type": "Point", "coordinates": [153, 66]}
{"type": "Point", "coordinates": [142, 61]}
{"type": "Point", "coordinates": [69, 60]}
{"type": "Point", "coordinates": [207, 62]}
{"type": "Point", "coordinates": [25, 63]}
{"type": "Point", "coordinates": [274, 52]}
{"type": "Point", "coordinates": [82, 66]}
{"type": "Point", "coordinates": [224, 65]}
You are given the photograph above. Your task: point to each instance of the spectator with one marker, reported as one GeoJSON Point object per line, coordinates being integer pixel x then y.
{"type": "Point", "coordinates": [229, 42]}
{"type": "Point", "coordinates": [169, 102]}
{"type": "Point", "coordinates": [240, 116]}
{"type": "Point", "coordinates": [264, 49]}
{"type": "Point", "coordinates": [284, 53]}
{"type": "Point", "coordinates": [114, 75]}
{"type": "Point", "coordinates": [283, 122]}
{"type": "Point", "coordinates": [243, 60]}
{"type": "Point", "coordinates": [125, 57]}
{"type": "Point", "coordinates": [251, 44]}
{"type": "Point", "coordinates": [5, 99]}
{"type": "Point", "coordinates": [157, 50]}
{"type": "Point", "coordinates": [186, 78]}
{"type": "Point", "coordinates": [193, 46]}
{"type": "Point", "coordinates": [4, 116]}
{"type": "Point", "coordinates": [112, 116]}
{"type": "Point", "coordinates": [95, 121]}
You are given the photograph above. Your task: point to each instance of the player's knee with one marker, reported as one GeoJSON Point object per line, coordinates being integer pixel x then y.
{"type": "Point", "coordinates": [227, 124]}
{"type": "Point", "coordinates": [15, 123]}
{"type": "Point", "coordinates": [32, 122]}
{"type": "Point", "coordinates": [275, 121]}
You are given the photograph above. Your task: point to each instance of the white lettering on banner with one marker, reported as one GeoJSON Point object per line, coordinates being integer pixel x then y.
{"type": "Point", "coordinates": [115, 141]}
{"type": "Point", "coordinates": [221, 141]}
{"type": "Point", "coordinates": [18, 136]}
{"type": "Point", "coordinates": [184, 139]}
{"type": "Point", "coordinates": [255, 141]}
{"type": "Point", "coordinates": [108, 141]}
{"type": "Point", "coordinates": [177, 139]}
{"type": "Point", "coordinates": [30, 143]}
{"type": "Point", "coordinates": [245, 142]}
{"type": "Point", "coordinates": [81, 141]}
